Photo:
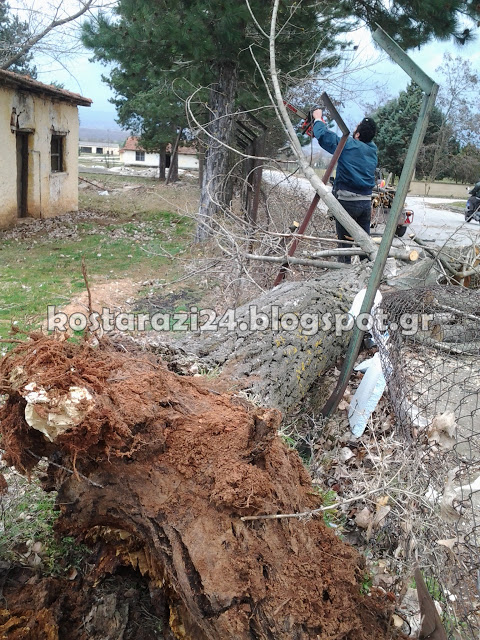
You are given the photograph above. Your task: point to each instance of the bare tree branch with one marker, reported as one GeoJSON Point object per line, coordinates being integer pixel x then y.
{"type": "Point", "coordinates": [54, 24]}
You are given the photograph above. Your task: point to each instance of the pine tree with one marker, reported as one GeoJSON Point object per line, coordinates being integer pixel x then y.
{"type": "Point", "coordinates": [413, 22]}
{"type": "Point", "coordinates": [396, 121]}
{"type": "Point", "coordinates": [13, 34]}
{"type": "Point", "coordinates": [155, 44]}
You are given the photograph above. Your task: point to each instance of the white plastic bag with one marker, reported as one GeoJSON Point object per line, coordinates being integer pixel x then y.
{"type": "Point", "coordinates": [368, 394]}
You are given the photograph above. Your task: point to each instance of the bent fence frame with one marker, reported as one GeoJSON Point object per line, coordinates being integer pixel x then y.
{"type": "Point", "coordinates": [430, 90]}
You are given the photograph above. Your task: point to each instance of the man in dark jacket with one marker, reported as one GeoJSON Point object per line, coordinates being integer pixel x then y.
{"type": "Point", "coordinates": [355, 177]}
{"type": "Point", "coordinates": [475, 190]}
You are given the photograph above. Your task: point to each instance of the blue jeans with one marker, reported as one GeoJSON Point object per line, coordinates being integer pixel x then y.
{"type": "Point", "coordinates": [360, 211]}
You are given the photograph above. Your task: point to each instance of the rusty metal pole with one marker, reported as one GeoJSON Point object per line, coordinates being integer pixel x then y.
{"type": "Point", "coordinates": [325, 100]}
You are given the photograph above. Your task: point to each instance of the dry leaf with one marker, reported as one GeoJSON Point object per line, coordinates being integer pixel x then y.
{"type": "Point", "coordinates": [363, 518]}
{"type": "Point", "coordinates": [450, 543]}
{"type": "Point", "coordinates": [345, 454]}
{"type": "Point", "coordinates": [37, 547]}
{"type": "Point", "coordinates": [397, 621]}
{"type": "Point", "coordinates": [449, 499]}
{"type": "Point", "coordinates": [442, 430]}
{"type": "Point", "coordinates": [72, 573]}
{"type": "Point", "coordinates": [381, 514]}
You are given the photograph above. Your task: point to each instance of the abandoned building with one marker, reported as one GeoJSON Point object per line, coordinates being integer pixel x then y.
{"type": "Point", "coordinates": [39, 141]}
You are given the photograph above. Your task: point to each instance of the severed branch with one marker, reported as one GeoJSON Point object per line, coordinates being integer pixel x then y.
{"type": "Point", "coordinates": [437, 255]}
{"type": "Point", "coordinates": [406, 255]}
{"type": "Point", "coordinates": [471, 349]}
{"type": "Point", "coordinates": [309, 514]}
{"type": "Point", "coordinates": [297, 236]}
{"type": "Point", "coordinates": [89, 293]}
{"type": "Point", "coordinates": [97, 186]}
{"type": "Point", "coordinates": [321, 264]}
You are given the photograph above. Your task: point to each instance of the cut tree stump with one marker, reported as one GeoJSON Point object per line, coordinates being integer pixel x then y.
{"type": "Point", "coordinates": [163, 471]}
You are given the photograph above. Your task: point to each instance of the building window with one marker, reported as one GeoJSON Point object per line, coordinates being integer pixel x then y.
{"type": "Point", "coordinates": [85, 149]}
{"type": "Point", "coordinates": [99, 150]}
{"type": "Point", "coordinates": [57, 153]}
{"type": "Point", "coordinates": [140, 156]}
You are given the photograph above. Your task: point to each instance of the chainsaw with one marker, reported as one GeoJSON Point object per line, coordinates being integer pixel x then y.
{"type": "Point", "coordinates": [306, 127]}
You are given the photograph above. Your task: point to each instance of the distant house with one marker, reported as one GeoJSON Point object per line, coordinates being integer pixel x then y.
{"type": "Point", "coordinates": [133, 154]}
{"type": "Point", "coordinates": [98, 148]}
{"type": "Point", "coordinates": [39, 142]}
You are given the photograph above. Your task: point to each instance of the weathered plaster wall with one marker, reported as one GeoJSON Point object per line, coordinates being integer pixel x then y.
{"type": "Point", "coordinates": [186, 161]}
{"type": "Point", "coordinates": [49, 194]}
{"type": "Point", "coordinates": [8, 172]}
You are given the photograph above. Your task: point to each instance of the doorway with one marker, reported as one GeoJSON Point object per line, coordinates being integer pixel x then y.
{"type": "Point", "coordinates": [22, 174]}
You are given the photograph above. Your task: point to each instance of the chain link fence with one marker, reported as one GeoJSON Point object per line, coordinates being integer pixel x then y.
{"type": "Point", "coordinates": [430, 356]}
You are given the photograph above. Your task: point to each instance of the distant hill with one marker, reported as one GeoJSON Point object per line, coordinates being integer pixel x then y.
{"type": "Point", "coordinates": [103, 135]}
{"type": "Point", "coordinates": [97, 125]}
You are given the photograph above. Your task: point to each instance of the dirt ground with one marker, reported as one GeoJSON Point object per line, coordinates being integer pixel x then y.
{"type": "Point", "coordinates": [115, 295]}
{"type": "Point", "coordinates": [438, 189]}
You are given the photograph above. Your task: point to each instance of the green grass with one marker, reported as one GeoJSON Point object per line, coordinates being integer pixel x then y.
{"type": "Point", "coordinates": [366, 585]}
{"type": "Point", "coordinates": [27, 537]}
{"type": "Point", "coordinates": [126, 237]}
{"type": "Point", "coordinates": [48, 271]}
{"type": "Point", "coordinates": [332, 517]}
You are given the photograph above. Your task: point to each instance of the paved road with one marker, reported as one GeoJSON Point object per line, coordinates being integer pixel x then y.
{"type": "Point", "coordinates": [439, 225]}
{"type": "Point", "coordinates": [434, 225]}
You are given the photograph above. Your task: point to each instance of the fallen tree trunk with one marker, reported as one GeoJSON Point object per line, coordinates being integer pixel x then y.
{"type": "Point", "coordinates": [421, 274]}
{"type": "Point", "coordinates": [280, 365]}
{"type": "Point", "coordinates": [163, 471]}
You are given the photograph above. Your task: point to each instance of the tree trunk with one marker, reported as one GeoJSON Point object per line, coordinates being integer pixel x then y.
{"type": "Point", "coordinates": [163, 470]}
{"type": "Point", "coordinates": [280, 366]}
{"type": "Point", "coordinates": [173, 169]}
{"type": "Point", "coordinates": [215, 185]}
{"type": "Point", "coordinates": [201, 164]}
{"type": "Point", "coordinates": [162, 161]}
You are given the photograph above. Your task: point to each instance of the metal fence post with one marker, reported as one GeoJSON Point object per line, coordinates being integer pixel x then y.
{"type": "Point", "coordinates": [430, 89]}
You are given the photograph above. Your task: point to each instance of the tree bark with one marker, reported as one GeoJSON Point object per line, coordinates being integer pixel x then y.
{"type": "Point", "coordinates": [215, 185]}
{"type": "Point", "coordinates": [201, 164]}
{"type": "Point", "coordinates": [280, 366]}
{"type": "Point", "coordinates": [163, 470]}
{"type": "Point", "coordinates": [173, 169]}
{"type": "Point", "coordinates": [162, 161]}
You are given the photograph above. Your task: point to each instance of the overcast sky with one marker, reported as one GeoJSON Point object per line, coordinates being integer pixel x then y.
{"type": "Point", "coordinates": [369, 77]}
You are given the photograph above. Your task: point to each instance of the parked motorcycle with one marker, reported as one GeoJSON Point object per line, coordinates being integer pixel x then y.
{"type": "Point", "coordinates": [472, 210]}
